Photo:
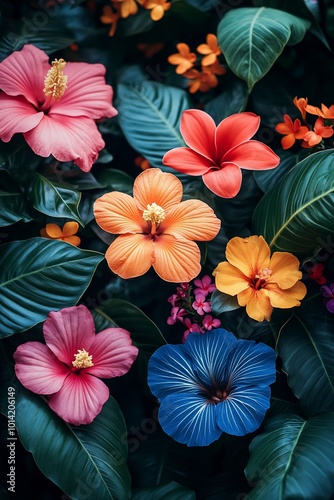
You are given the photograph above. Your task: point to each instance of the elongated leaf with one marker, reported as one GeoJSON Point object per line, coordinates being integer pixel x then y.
{"type": "Point", "coordinates": [252, 39]}
{"type": "Point", "coordinates": [12, 201]}
{"type": "Point", "coordinates": [307, 350]}
{"type": "Point", "coordinates": [86, 461]}
{"type": "Point", "coordinates": [39, 276]}
{"type": "Point", "coordinates": [293, 459]}
{"type": "Point", "coordinates": [149, 115]}
{"type": "Point", "coordinates": [53, 198]}
{"type": "Point", "coordinates": [221, 302]}
{"type": "Point", "coordinates": [169, 491]}
{"type": "Point", "coordinates": [298, 211]}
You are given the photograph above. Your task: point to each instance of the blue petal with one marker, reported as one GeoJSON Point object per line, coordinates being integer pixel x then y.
{"type": "Point", "coordinates": [243, 410]}
{"type": "Point", "coordinates": [188, 419]}
{"type": "Point", "coordinates": [209, 354]}
{"type": "Point", "coordinates": [170, 370]}
{"type": "Point", "coordinates": [251, 364]}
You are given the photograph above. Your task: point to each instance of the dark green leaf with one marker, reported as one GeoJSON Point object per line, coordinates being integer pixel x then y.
{"type": "Point", "coordinates": [115, 180]}
{"type": "Point", "coordinates": [233, 99]}
{"type": "Point", "coordinates": [293, 458]}
{"type": "Point", "coordinates": [170, 491]}
{"type": "Point", "coordinates": [39, 276]}
{"type": "Point", "coordinates": [298, 211]}
{"type": "Point", "coordinates": [12, 201]}
{"type": "Point", "coordinates": [221, 302]}
{"type": "Point", "coordinates": [252, 39]}
{"type": "Point", "coordinates": [53, 198]}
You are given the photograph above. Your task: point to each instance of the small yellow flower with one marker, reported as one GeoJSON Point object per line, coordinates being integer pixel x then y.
{"type": "Point", "coordinates": [260, 281]}
{"type": "Point", "coordinates": [210, 50]}
{"type": "Point", "coordinates": [53, 232]}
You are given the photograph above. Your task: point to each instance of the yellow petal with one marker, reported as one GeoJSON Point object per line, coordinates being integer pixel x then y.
{"type": "Point", "coordinates": [192, 220]}
{"type": "Point", "coordinates": [229, 279]}
{"type": "Point", "coordinates": [53, 231]}
{"type": "Point", "coordinates": [70, 228]}
{"type": "Point", "coordinates": [155, 186]}
{"type": "Point", "coordinates": [285, 269]}
{"type": "Point", "coordinates": [117, 213]}
{"type": "Point", "coordinates": [248, 254]}
{"type": "Point", "coordinates": [130, 255]}
{"type": "Point", "coordinates": [257, 303]}
{"type": "Point", "coordinates": [284, 299]}
{"type": "Point", "coordinates": [176, 260]}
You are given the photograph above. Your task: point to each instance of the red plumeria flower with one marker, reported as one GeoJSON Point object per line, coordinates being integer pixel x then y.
{"type": "Point", "coordinates": [209, 323]}
{"type": "Point", "coordinates": [69, 367]}
{"type": "Point", "coordinates": [291, 130]}
{"type": "Point", "coordinates": [200, 305]}
{"type": "Point", "coordinates": [219, 152]}
{"type": "Point", "coordinates": [204, 285]}
{"type": "Point", "coordinates": [54, 106]}
{"type": "Point", "coordinates": [319, 132]}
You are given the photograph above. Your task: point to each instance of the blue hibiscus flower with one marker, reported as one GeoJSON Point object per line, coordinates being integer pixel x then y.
{"type": "Point", "coordinates": [213, 383]}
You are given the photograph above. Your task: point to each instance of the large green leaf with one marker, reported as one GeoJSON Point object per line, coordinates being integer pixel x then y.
{"type": "Point", "coordinates": [169, 491]}
{"type": "Point", "coordinates": [53, 198]}
{"type": "Point", "coordinates": [252, 39]}
{"type": "Point", "coordinates": [87, 461]}
{"type": "Point", "coordinates": [149, 115]}
{"type": "Point", "coordinates": [293, 459]}
{"type": "Point", "coordinates": [39, 276]}
{"type": "Point", "coordinates": [307, 350]}
{"type": "Point", "coordinates": [297, 213]}
{"type": "Point", "coordinates": [12, 201]}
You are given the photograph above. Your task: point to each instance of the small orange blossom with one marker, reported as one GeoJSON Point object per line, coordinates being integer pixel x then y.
{"type": "Point", "coordinates": [210, 50]}
{"type": "Point", "coordinates": [53, 231]}
{"type": "Point", "coordinates": [301, 104]}
{"type": "Point", "coordinates": [292, 131]}
{"type": "Point", "coordinates": [157, 8]}
{"type": "Point", "coordinates": [324, 112]}
{"type": "Point", "coordinates": [183, 60]}
{"type": "Point", "coordinates": [320, 131]}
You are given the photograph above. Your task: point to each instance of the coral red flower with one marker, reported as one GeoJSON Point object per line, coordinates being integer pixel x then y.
{"type": "Point", "coordinates": [219, 152]}
{"type": "Point", "coordinates": [156, 228]}
{"type": "Point", "coordinates": [291, 130]}
{"type": "Point", "coordinates": [69, 367]}
{"type": "Point", "coordinates": [319, 132]}
{"type": "Point", "coordinates": [53, 231]}
{"type": "Point", "coordinates": [54, 106]}
{"type": "Point", "coordinates": [183, 60]}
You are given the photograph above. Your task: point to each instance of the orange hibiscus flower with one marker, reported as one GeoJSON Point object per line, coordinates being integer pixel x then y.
{"type": "Point", "coordinates": [156, 228]}
{"type": "Point", "coordinates": [53, 232]}
{"type": "Point", "coordinates": [260, 281]}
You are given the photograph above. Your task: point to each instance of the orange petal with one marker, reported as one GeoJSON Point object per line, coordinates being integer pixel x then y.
{"type": "Point", "coordinates": [283, 128]}
{"type": "Point", "coordinates": [53, 231]}
{"type": "Point", "coordinates": [192, 220]}
{"type": "Point", "coordinates": [183, 48]}
{"type": "Point", "coordinates": [313, 110]}
{"type": "Point", "coordinates": [300, 133]}
{"type": "Point", "coordinates": [155, 186]}
{"type": "Point", "coordinates": [230, 279]}
{"type": "Point", "coordinates": [157, 13]}
{"type": "Point", "coordinates": [203, 48]}
{"type": "Point", "coordinates": [74, 240]}
{"type": "Point", "coordinates": [257, 303]}
{"type": "Point", "coordinates": [212, 42]}
{"type": "Point", "coordinates": [284, 299]}
{"type": "Point", "coordinates": [130, 256]}
{"type": "Point", "coordinates": [285, 269]}
{"type": "Point", "coordinates": [288, 141]}
{"type": "Point", "coordinates": [70, 228]}
{"type": "Point", "coordinates": [117, 213]}
{"type": "Point", "coordinates": [176, 260]}
{"type": "Point", "coordinates": [43, 233]}
{"type": "Point", "coordinates": [209, 59]}
{"type": "Point", "coordinates": [175, 59]}
{"type": "Point", "coordinates": [248, 254]}
{"type": "Point", "coordinates": [183, 67]}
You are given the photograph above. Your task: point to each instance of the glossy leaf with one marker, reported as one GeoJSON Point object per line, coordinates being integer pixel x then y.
{"type": "Point", "coordinates": [39, 276]}
{"type": "Point", "coordinates": [149, 115]}
{"type": "Point", "coordinates": [253, 38]}
{"type": "Point", "coordinates": [115, 180]}
{"type": "Point", "coordinates": [12, 201]}
{"type": "Point", "coordinates": [297, 214]}
{"type": "Point", "coordinates": [221, 302]}
{"type": "Point", "coordinates": [307, 351]}
{"type": "Point", "coordinates": [53, 198]}
{"type": "Point", "coordinates": [169, 491]}
{"type": "Point", "coordinates": [293, 458]}
{"type": "Point", "coordinates": [231, 100]}
{"type": "Point", "coordinates": [87, 461]}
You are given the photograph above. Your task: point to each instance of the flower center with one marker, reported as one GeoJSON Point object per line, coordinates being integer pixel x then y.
{"type": "Point", "coordinates": [219, 396]}
{"type": "Point", "coordinates": [82, 359]}
{"type": "Point", "coordinates": [55, 82]}
{"type": "Point", "coordinates": [261, 277]}
{"type": "Point", "coordinates": [154, 213]}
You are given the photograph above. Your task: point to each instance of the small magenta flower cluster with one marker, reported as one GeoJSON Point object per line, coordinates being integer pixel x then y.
{"type": "Point", "coordinates": [195, 304]}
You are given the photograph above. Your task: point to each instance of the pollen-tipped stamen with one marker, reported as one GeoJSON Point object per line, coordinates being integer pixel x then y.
{"type": "Point", "coordinates": [55, 82]}
{"type": "Point", "coordinates": [82, 359]}
{"type": "Point", "coordinates": [154, 213]}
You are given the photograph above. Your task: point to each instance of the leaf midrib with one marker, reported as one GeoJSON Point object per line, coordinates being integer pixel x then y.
{"type": "Point", "coordinates": [288, 463]}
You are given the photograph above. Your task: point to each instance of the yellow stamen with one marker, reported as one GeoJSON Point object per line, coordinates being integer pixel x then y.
{"type": "Point", "coordinates": [82, 359]}
{"type": "Point", "coordinates": [264, 274]}
{"type": "Point", "coordinates": [55, 82]}
{"type": "Point", "coordinates": [154, 213]}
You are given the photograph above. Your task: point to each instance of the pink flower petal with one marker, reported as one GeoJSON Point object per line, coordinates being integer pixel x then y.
{"type": "Point", "coordinates": [112, 353]}
{"type": "Point", "coordinates": [252, 155]}
{"type": "Point", "coordinates": [67, 138]}
{"type": "Point", "coordinates": [68, 330]}
{"type": "Point", "coordinates": [22, 116]}
{"type": "Point", "coordinates": [225, 182]}
{"type": "Point", "coordinates": [187, 161]}
{"type": "Point", "coordinates": [87, 93]}
{"type": "Point", "coordinates": [38, 369]}
{"type": "Point", "coordinates": [23, 73]}
{"type": "Point", "coordinates": [198, 130]}
{"type": "Point", "coordinates": [80, 399]}
{"type": "Point", "coordinates": [235, 129]}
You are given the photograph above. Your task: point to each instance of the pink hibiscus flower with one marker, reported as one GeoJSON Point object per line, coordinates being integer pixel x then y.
{"type": "Point", "coordinates": [218, 153]}
{"type": "Point", "coordinates": [67, 368]}
{"type": "Point", "coordinates": [54, 106]}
